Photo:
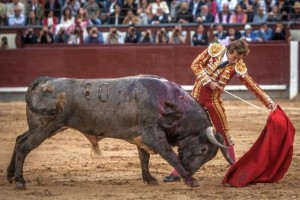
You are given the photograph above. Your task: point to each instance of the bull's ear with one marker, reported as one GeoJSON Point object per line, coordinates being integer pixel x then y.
{"type": "Point", "coordinates": [211, 137]}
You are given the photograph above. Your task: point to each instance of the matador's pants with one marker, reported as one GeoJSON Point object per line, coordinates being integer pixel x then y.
{"type": "Point", "coordinates": [214, 104]}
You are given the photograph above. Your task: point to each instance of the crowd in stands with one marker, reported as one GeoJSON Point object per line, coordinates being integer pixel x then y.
{"type": "Point", "coordinates": [77, 21]}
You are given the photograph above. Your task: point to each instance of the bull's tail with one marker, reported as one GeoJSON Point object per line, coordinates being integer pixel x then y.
{"type": "Point", "coordinates": [52, 108]}
{"type": "Point", "coordinates": [95, 151]}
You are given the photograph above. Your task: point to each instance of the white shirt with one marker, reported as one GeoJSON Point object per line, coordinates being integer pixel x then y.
{"type": "Point", "coordinates": [163, 5]}
{"type": "Point", "coordinates": [232, 4]}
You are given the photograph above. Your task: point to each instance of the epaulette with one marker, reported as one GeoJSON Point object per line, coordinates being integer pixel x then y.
{"type": "Point", "coordinates": [241, 68]}
{"type": "Point", "coordinates": [215, 49]}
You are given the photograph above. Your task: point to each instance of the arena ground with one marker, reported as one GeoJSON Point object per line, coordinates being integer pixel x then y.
{"type": "Point", "coordinates": [62, 167]}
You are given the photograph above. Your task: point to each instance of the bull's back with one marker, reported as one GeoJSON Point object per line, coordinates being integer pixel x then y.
{"type": "Point", "coordinates": [101, 106]}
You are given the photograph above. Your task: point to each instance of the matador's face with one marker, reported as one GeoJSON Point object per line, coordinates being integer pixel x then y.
{"type": "Point", "coordinates": [234, 57]}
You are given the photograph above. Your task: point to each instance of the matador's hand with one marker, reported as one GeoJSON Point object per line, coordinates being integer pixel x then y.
{"type": "Point", "coordinates": [272, 106]}
{"type": "Point", "coordinates": [214, 86]}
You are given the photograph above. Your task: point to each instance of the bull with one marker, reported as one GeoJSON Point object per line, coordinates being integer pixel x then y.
{"type": "Point", "coordinates": [151, 112]}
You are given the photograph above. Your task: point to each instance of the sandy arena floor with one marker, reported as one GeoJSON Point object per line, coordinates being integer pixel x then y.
{"type": "Point", "coordinates": [62, 167]}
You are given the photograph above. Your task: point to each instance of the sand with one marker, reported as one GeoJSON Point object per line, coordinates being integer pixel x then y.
{"type": "Point", "coordinates": [63, 168]}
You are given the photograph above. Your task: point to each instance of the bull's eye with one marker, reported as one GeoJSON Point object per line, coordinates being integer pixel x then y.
{"type": "Point", "coordinates": [204, 149]}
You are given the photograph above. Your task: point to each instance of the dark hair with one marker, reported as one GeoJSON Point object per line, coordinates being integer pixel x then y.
{"type": "Point", "coordinates": [4, 39]}
{"type": "Point", "coordinates": [240, 46]}
{"type": "Point", "coordinates": [65, 17]}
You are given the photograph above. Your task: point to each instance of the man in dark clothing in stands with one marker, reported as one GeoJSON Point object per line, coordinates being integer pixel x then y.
{"type": "Point", "coordinates": [29, 37]}
{"type": "Point", "coordinates": [278, 32]}
{"type": "Point", "coordinates": [184, 15]}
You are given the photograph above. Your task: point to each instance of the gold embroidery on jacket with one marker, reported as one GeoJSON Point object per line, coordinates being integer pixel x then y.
{"type": "Point", "coordinates": [241, 68]}
{"type": "Point", "coordinates": [215, 49]}
{"type": "Point", "coordinates": [226, 75]}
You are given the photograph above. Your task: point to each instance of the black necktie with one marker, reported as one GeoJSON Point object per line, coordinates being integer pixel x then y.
{"type": "Point", "coordinates": [223, 64]}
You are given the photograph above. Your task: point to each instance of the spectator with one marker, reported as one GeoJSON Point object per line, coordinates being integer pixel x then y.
{"type": "Point", "coordinates": [247, 6]}
{"type": "Point", "coordinates": [285, 7]}
{"type": "Point", "coordinates": [256, 5]}
{"type": "Point", "coordinates": [174, 9]}
{"type": "Point", "coordinates": [81, 17]}
{"type": "Point", "coordinates": [264, 33]}
{"type": "Point", "coordinates": [205, 16]}
{"type": "Point", "coordinates": [94, 37]}
{"type": "Point", "coordinates": [75, 37]}
{"type": "Point", "coordinates": [146, 37]}
{"type": "Point", "coordinates": [160, 17]}
{"type": "Point", "coordinates": [269, 5]}
{"type": "Point", "coordinates": [54, 6]}
{"type": "Point", "coordinates": [195, 7]}
{"type": "Point", "coordinates": [132, 35]}
{"type": "Point", "coordinates": [4, 43]}
{"type": "Point", "coordinates": [231, 4]}
{"type": "Point", "coordinates": [93, 12]}
{"type": "Point", "coordinates": [260, 16]}
{"type": "Point", "coordinates": [2, 14]}
{"type": "Point", "coordinates": [17, 19]}
{"type": "Point", "coordinates": [115, 18]}
{"type": "Point", "coordinates": [34, 13]}
{"type": "Point", "coordinates": [239, 17]}
{"type": "Point", "coordinates": [129, 5]}
{"type": "Point", "coordinates": [224, 15]}
{"type": "Point", "coordinates": [62, 36]}
{"type": "Point", "coordinates": [82, 21]}
{"type": "Point", "coordinates": [152, 9]}
{"type": "Point", "coordinates": [10, 8]}
{"type": "Point", "coordinates": [74, 6]}
{"type": "Point", "coordinates": [114, 36]}
{"type": "Point", "coordinates": [213, 8]}
{"type": "Point", "coordinates": [50, 21]}
{"type": "Point", "coordinates": [295, 14]}
{"type": "Point", "coordinates": [278, 32]}
{"type": "Point", "coordinates": [142, 11]}
{"type": "Point", "coordinates": [131, 18]}
{"type": "Point", "coordinates": [219, 6]}
{"type": "Point", "coordinates": [184, 15]}
{"type": "Point", "coordinates": [232, 36]}
{"type": "Point", "coordinates": [200, 37]}
{"type": "Point", "coordinates": [67, 21]}
{"type": "Point", "coordinates": [249, 35]}
{"type": "Point", "coordinates": [109, 7]}
{"type": "Point", "coordinates": [29, 37]}
{"type": "Point", "coordinates": [260, 3]}
{"type": "Point", "coordinates": [161, 36]}
{"type": "Point", "coordinates": [274, 15]}
{"type": "Point", "coordinates": [177, 36]}
{"type": "Point", "coordinates": [220, 34]}
{"type": "Point", "coordinates": [45, 36]}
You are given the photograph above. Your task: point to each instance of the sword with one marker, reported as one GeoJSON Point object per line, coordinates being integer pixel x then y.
{"type": "Point", "coordinates": [246, 101]}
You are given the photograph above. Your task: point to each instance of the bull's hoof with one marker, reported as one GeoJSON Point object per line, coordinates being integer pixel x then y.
{"type": "Point", "coordinates": [153, 182]}
{"type": "Point", "coordinates": [191, 182]}
{"type": "Point", "coordinates": [171, 178]}
{"type": "Point", "coordinates": [20, 186]}
{"type": "Point", "coordinates": [10, 178]}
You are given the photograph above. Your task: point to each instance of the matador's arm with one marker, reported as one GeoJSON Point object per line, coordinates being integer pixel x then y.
{"type": "Point", "coordinates": [252, 86]}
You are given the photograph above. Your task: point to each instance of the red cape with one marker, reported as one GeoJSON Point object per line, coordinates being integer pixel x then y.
{"type": "Point", "coordinates": [269, 158]}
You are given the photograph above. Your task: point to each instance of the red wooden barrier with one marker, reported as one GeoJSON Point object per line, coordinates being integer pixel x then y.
{"type": "Point", "coordinates": [267, 63]}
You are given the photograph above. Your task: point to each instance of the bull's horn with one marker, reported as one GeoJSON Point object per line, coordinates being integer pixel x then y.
{"type": "Point", "coordinates": [210, 135]}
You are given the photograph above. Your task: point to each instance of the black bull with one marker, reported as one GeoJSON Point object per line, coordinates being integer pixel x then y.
{"type": "Point", "coordinates": [149, 111]}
